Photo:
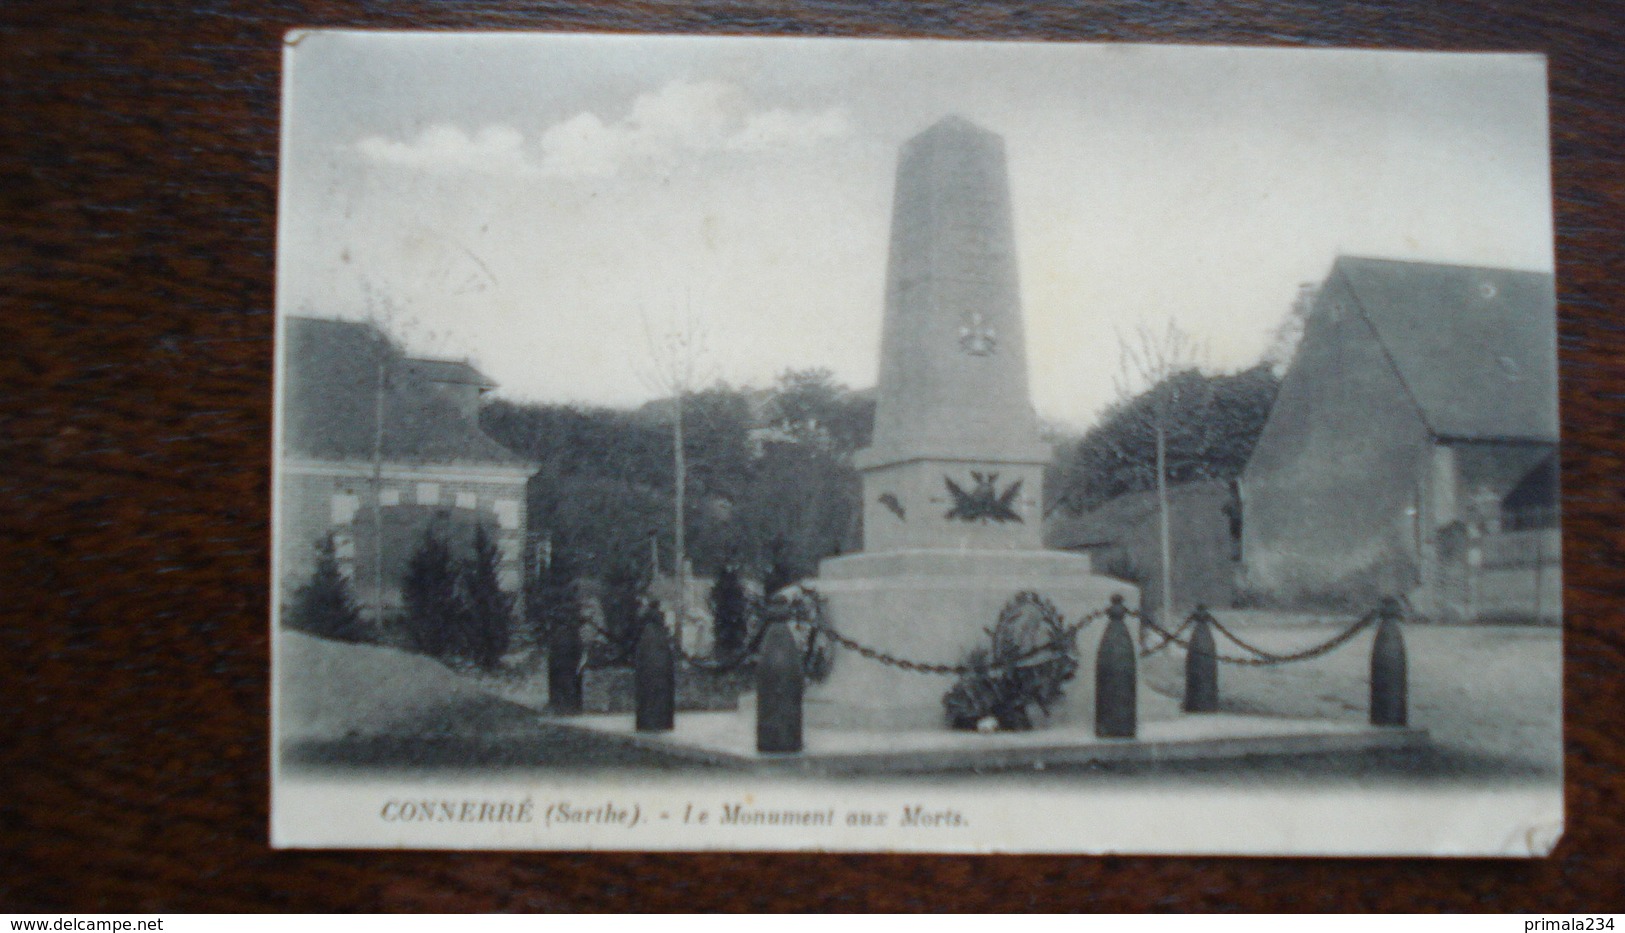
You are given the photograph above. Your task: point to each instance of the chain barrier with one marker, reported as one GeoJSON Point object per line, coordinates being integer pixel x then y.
{"type": "Point", "coordinates": [1183, 627]}
{"type": "Point", "coordinates": [954, 670]}
{"type": "Point", "coordinates": [801, 609]}
{"type": "Point", "coordinates": [807, 612]}
{"type": "Point", "coordinates": [1259, 657]}
{"type": "Point", "coordinates": [622, 651]}
{"type": "Point", "coordinates": [724, 665]}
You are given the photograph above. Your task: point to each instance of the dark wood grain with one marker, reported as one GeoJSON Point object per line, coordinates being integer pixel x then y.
{"type": "Point", "coordinates": [138, 151]}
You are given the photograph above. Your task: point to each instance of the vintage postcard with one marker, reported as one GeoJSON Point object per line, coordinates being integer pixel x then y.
{"type": "Point", "coordinates": [807, 444]}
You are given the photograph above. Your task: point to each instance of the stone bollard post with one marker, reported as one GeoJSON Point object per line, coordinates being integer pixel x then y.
{"type": "Point", "coordinates": [1116, 689]}
{"type": "Point", "coordinates": [778, 692]}
{"type": "Point", "coordinates": [1388, 687]}
{"type": "Point", "coordinates": [654, 680]}
{"type": "Point", "coordinates": [1201, 666]}
{"type": "Point", "coordinates": [564, 666]}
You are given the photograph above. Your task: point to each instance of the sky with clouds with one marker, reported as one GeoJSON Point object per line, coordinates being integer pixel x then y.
{"type": "Point", "coordinates": [540, 204]}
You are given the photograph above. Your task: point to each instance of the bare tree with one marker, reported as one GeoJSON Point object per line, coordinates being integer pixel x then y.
{"type": "Point", "coordinates": [1151, 362]}
{"type": "Point", "coordinates": [678, 365]}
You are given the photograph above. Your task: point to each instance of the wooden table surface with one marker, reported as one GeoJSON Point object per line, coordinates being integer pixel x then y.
{"type": "Point", "coordinates": [138, 146]}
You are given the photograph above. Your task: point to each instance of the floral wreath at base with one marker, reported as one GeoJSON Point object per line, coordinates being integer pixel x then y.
{"type": "Point", "coordinates": [1027, 664]}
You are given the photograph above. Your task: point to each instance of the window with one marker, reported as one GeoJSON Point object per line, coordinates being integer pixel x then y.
{"type": "Point", "coordinates": [507, 512]}
{"type": "Point", "coordinates": [345, 505]}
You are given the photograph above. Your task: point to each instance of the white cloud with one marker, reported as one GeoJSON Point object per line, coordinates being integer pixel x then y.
{"type": "Point", "coordinates": [686, 115]}
{"type": "Point", "coordinates": [772, 129]}
{"type": "Point", "coordinates": [680, 119]}
{"type": "Point", "coordinates": [495, 149]}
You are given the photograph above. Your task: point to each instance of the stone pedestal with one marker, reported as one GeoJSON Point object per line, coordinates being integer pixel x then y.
{"type": "Point", "coordinates": [934, 606]}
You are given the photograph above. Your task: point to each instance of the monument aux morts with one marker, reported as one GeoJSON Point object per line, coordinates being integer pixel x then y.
{"type": "Point", "coordinates": [952, 481]}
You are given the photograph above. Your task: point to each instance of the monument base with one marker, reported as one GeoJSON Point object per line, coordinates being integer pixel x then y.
{"type": "Point", "coordinates": [728, 740]}
{"type": "Point", "coordinates": [934, 607]}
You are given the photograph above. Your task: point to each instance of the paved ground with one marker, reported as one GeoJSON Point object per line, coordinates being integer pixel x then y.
{"type": "Point", "coordinates": [1487, 694]}
{"type": "Point", "coordinates": [1490, 696]}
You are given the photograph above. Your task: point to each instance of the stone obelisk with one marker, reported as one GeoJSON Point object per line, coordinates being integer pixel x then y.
{"type": "Point", "coordinates": [952, 481]}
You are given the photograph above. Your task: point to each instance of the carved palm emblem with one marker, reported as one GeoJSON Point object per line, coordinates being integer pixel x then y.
{"type": "Point", "coordinates": [890, 501]}
{"type": "Point", "coordinates": [984, 503]}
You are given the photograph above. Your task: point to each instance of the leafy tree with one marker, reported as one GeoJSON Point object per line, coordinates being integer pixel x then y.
{"type": "Point", "coordinates": [626, 584]}
{"type": "Point", "coordinates": [1288, 334]}
{"type": "Point", "coordinates": [729, 611]}
{"type": "Point", "coordinates": [553, 596]}
{"type": "Point", "coordinates": [1213, 424]}
{"type": "Point", "coordinates": [574, 440]}
{"type": "Point", "coordinates": [804, 503]}
{"type": "Point", "coordinates": [718, 442]}
{"type": "Point", "coordinates": [555, 611]}
{"type": "Point", "coordinates": [606, 481]}
{"type": "Point", "coordinates": [486, 618]}
{"type": "Point", "coordinates": [597, 518]}
{"type": "Point", "coordinates": [1182, 426]}
{"type": "Point", "coordinates": [324, 606]}
{"type": "Point", "coordinates": [429, 591]}
{"type": "Point", "coordinates": [805, 499]}
{"type": "Point", "coordinates": [811, 407]}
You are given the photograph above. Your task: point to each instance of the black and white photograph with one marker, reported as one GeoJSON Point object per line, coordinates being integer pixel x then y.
{"type": "Point", "coordinates": [696, 443]}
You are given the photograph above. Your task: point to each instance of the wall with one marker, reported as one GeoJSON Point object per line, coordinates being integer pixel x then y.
{"type": "Point", "coordinates": [1334, 493]}
{"type": "Point", "coordinates": [1123, 539]}
{"type": "Point", "coordinates": [337, 497]}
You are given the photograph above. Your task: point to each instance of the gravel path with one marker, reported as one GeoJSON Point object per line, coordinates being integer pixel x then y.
{"type": "Point", "coordinates": [1489, 692]}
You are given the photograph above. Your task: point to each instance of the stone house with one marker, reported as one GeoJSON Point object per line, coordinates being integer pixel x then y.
{"type": "Point", "coordinates": [1413, 446]}
{"type": "Point", "coordinates": [379, 485]}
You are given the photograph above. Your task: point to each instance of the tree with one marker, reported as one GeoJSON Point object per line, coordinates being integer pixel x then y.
{"type": "Point", "coordinates": [717, 437]}
{"type": "Point", "coordinates": [605, 481]}
{"type": "Point", "coordinates": [556, 615]}
{"type": "Point", "coordinates": [729, 611]}
{"type": "Point", "coordinates": [805, 497]}
{"type": "Point", "coordinates": [1183, 427]}
{"type": "Point", "coordinates": [803, 506]}
{"type": "Point", "coordinates": [554, 597]}
{"type": "Point", "coordinates": [626, 585]}
{"type": "Point", "coordinates": [429, 591]}
{"type": "Point", "coordinates": [1289, 333]}
{"type": "Point", "coordinates": [324, 606]}
{"type": "Point", "coordinates": [1161, 366]}
{"type": "Point", "coordinates": [677, 359]}
{"type": "Point", "coordinates": [1118, 454]}
{"type": "Point", "coordinates": [811, 407]}
{"type": "Point", "coordinates": [486, 619]}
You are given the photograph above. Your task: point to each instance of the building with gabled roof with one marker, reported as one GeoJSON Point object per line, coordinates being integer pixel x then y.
{"type": "Point", "coordinates": [378, 448]}
{"type": "Point", "coordinates": [1413, 446]}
